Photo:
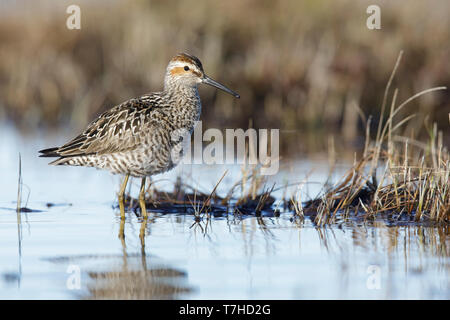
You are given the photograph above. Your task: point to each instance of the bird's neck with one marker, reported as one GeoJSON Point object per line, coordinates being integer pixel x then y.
{"type": "Point", "coordinates": [182, 92]}
{"type": "Point", "coordinates": [175, 89]}
{"type": "Point", "coordinates": [186, 100]}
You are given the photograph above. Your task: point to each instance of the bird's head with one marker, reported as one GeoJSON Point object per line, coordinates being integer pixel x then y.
{"type": "Point", "coordinates": [187, 70]}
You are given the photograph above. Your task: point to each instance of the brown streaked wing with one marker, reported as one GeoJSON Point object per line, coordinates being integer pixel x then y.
{"type": "Point", "coordinates": [118, 129]}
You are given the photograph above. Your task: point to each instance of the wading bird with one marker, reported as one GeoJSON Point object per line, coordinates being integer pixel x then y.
{"type": "Point", "coordinates": [136, 138]}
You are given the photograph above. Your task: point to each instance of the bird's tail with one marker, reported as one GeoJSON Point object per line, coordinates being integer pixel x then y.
{"type": "Point", "coordinates": [48, 153]}
{"type": "Point", "coordinates": [62, 160]}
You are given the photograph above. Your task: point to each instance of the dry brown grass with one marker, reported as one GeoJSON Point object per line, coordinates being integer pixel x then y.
{"type": "Point", "coordinates": [302, 66]}
{"type": "Point", "coordinates": [414, 183]}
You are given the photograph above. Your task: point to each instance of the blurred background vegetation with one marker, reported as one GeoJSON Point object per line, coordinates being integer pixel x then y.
{"type": "Point", "coordinates": [305, 67]}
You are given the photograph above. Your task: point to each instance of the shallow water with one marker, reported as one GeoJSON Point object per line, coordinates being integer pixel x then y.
{"type": "Point", "coordinates": [230, 258]}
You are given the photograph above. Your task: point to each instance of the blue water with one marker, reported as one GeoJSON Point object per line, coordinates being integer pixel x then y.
{"type": "Point", "coordinates": [233, 259]}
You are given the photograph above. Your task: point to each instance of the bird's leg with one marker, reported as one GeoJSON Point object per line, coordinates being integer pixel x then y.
{"type": "Point", "coordinates": [142, 235]}
{"type": "Point", "coordinates": [122, 233]}
{"type": "Point", "coordinates": [142, 198]}
{"type": "Point", "coordinates": [121, 193]}
{"type": "Point", "coordinates": [149, 179]}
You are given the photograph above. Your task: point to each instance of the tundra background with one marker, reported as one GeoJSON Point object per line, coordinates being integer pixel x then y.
{"type": "Point", "coordinates": [313, 75]}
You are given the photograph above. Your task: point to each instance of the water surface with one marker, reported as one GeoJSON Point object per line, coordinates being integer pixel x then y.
{"type": "Point", "coordinates": [229, 258]}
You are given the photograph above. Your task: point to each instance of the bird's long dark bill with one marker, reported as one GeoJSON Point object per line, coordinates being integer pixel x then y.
{"type": "Point", "coordinates": [213, 83]}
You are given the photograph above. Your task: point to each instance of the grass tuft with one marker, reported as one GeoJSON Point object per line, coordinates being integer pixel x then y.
{"type": "Point", "coordinates": [412, 185]}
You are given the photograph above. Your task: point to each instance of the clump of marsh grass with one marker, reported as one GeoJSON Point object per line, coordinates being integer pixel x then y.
{"type": "Point", "coordinates": [254, 197]}
{"type": "Point", "coordinates": [413, 184]}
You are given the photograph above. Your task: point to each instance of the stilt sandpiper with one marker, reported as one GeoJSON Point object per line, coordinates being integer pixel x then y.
{"type": "Point", "coordinates": [136, 137]}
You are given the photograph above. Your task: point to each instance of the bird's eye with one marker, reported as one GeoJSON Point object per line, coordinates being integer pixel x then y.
{"type": "Point", "coordinates": [186, 68]}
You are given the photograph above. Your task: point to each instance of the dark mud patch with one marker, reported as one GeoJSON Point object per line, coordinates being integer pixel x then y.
{"type": "Point", "coordinates": [265, 205]}
{"type": "Point", "coordinates": [200, 204]}
{"type": "Point", "coordinates": [51, 205]}
{"type": "Point", "coordinates": [21, 209]}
